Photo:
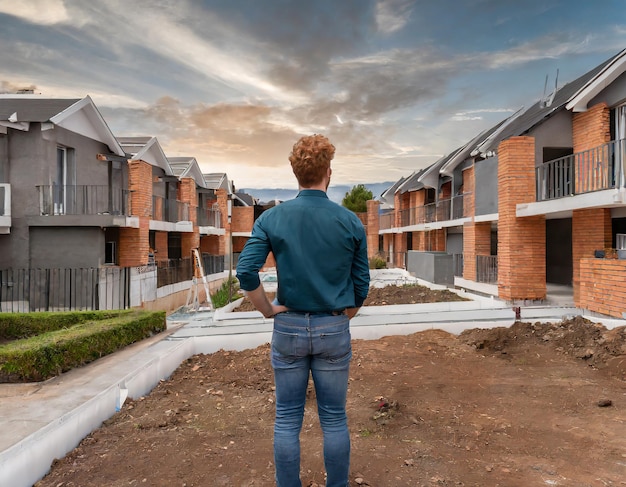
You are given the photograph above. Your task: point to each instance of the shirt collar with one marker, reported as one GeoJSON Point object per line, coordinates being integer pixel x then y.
{"type": "Point", "coordinates": [318, 193]}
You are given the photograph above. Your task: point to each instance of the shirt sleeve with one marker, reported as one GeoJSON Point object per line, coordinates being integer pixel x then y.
{"type": "Point", "coordinates": [360, 269]}
{"type": "Point", "coordinates": [252, 257]}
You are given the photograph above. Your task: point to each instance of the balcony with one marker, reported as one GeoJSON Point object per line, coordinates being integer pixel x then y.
{"type": "Point", "coordinates": [596, 169]}
{"type": "Point", "coordinates": [166, 210]}
{"type": "Point", "coordinates": [487, 269]}
{"type": "Point", "coordinates": [5, 208]}
{"type": "Point", "coordinates": [82, 200]}
{"type": "Point", "coordinates": [441, 211]}
{"type": "Point", "coordinates": [210, 218]}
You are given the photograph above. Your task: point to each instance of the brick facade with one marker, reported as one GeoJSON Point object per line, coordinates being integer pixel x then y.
{"type": "Point", "coordinates": [476, 241]}
{"type": "Point", "coordinates": [521, 241]}
{"type": "Point", "coordinates": [134, 245]}
{"type": "Point", "coordinates": [591, 230]}
{"type": "Point", "coordinates": [372, 227]}
{"type": "Point", "coordinates": [160, 241]}
{"type": "Point", "coordinates": [242, 218]}
{"type": "Point", "coordinates": [469, 198]}
{"type": "Point", "coordinates": [598, 289]}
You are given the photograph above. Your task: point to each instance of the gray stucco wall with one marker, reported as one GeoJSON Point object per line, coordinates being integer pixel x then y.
{"type": "Point", "coordinates": [553, 132]}
{"type": "Point", "coordinates": [32, 162]}
{"type": "Point", "coordinates": [71, 247]}
{"type": "Point", "coordinates": [454, 243]}
{"type": "Point", "coordinates": [614, 94]}
{"type": "Point", "coordinates": [435, 267]}
{"type": "Point", "coordinates": [486, 186]}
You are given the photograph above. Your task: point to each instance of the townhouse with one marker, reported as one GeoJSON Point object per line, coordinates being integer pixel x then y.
{"type": "Point", "coordinates": [79, 205]}
{"type": "Point", "coordinates": [534, 202]}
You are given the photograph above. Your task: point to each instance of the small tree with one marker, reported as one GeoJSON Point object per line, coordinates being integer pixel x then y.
{"type": "Point", "coordinates": [355, 199]}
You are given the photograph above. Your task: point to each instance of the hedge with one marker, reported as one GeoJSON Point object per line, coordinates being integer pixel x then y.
{"type": "Point", "coordinates": [52, 352]}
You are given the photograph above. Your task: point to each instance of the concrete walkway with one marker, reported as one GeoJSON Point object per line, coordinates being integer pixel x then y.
{"type": "Point", "coordinates": [43, 421]}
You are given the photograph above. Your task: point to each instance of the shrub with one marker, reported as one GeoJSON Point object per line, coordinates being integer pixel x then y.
{"type": "Point", "coordinates": [228, 289]}
{"type": "Point", "coordinates": [48, 354]}
{"type": "Point", "coordinates": [378, 262]}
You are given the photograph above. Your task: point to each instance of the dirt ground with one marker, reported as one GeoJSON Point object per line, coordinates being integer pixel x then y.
{"type": "Point", "coordinates": [530, 405]}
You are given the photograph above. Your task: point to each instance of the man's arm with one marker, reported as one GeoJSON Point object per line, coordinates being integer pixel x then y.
{"type": "Point", "coordinates": [259, 299]}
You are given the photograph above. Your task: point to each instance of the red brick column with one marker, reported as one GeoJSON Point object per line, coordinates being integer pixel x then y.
{"type": "Point", "coordinates": [242, 218]}
{"type": "Point", "coordinates": [222, 203]}
{"type": "Point", "coordinates": [469, 198]}
{"type": "Point", "coordinates": [187, 194]}
{"type": "Point", "coordinates": [598, 290]}
{"type": "Point", "coordinates": [590, 129]}
{"type": "Point", "coordinates": [476, 241]}
{"type": "Point", "coordinates": [372, 227]}
{"type": "Point", "coordinates": [521, 241]}
{"type": "Point", "coordinates": [134, 242]}
{"type": "Point", "coordinates": [160, 240]}
{"type": "Point", "coordinates": [591, 230]}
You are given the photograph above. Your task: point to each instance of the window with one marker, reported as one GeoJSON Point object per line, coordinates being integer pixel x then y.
{"type": "Point", "coordinates": [63, 186]}
{"type": "Point", "coordinates": [174, 246]}
{"type": "Point", "coordinates": [110, 252]}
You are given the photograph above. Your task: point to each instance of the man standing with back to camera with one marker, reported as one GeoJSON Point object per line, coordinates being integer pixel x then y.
{"type": "Point", "coordinates": [323, 278]}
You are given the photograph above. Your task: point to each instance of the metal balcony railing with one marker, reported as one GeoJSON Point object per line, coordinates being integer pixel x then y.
{"type": "Point", "coordinates": [209, 218]}
{"type": "Point", "coordinates": [487, 268]}
{"type": "Point", "coordinates": [167, 210]}
{"type": "Point", "coordinates": [82, 200]}
{"type": "Point", "coordinates": [595, 169]}
{"type": "Point", "coordinates": [5, 199]}
{"type": "Point", "coordinates": [444, 210]}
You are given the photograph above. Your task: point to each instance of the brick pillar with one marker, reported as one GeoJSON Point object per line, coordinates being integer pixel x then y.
{"type": "Point", "coordinates": [399, 246]}
{"type": "Point", "coordinates": [187, 194]}
{"type": "Point", "coordinates": [242, 218]}
{"type": "Point", "coordinates": [469, 198]}
{"type": "Point", "coordinates": [160, 240]}
{"type": "Point", "coordinates": [591, 230]}
{"type": "Point", "coordinates": [521, 241]}
{"type": "Point", "coordinates": [476, 241]}
{"type": "Point", "coordinates": [222, 203]}
{"type": "Point", "coordinates": [373, 227]}
{"type": "Point", "coordinates": [591, 129]}
{"type": "Point", "coordinates": [438, 240]}
{"type": "Point", "coordinates": [134, 242]}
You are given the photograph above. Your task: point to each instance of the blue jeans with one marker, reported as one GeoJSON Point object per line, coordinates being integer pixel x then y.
{"type": "Point", "coordinates": [319, 343]}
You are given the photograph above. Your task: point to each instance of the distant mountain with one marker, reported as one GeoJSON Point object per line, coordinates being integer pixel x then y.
{"type": "Point", "coordinates": [335, 192]}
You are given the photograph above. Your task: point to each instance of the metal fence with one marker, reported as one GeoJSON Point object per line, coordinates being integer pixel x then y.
{"type": "Point", "coordinates": [591, 170]}
{"type": "Point", "coordinates": [168, 210]}
{"type": "Point", "coordinates": [487, 268]}
{"type": "Point", "coordinates": [26, 290]}
{"type": "Point", "coordinates": [457, 265]}
{"type": "Point", "coordinates": [57, 199]}
{"type": "Point", "coordinates": [213, 264]}
{"type": "Point", "coordinates": [173, 271]}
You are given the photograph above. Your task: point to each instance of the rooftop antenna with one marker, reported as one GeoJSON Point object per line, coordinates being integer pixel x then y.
{"type": "Point", "coordinates": [543, 97]}
{"type": "Point", "coordinates": [546, 100]}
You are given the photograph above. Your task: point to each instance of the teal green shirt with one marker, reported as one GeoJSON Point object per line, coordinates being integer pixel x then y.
{"type": "Point", "coordinates": [320, 250]}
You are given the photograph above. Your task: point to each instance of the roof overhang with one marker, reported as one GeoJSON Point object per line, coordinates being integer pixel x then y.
{"type": "Point", "coordinates": [153, 154]}
{"type": "Point", "coordinates": [579, 102]}
{"type": "Point", "coordinates": [84, 118]}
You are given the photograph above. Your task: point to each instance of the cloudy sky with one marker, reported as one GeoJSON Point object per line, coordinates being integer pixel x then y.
{"type": "Point", "coordinates": [395, 84]}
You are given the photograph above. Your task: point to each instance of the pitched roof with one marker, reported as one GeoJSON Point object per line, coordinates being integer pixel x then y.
{"type": "Point", "coordinates": [217, 180]}
{"type": "Point", "coordinates": [146, 149]}
{"type": "Point", "coordinates": [80, 116]}
{"type": "Point", "coordinates": [187, 167]}
{"type": "Point", "coordinates": [610, 71]}
{"type": "Point", "coordinates": [411, 183]}
{"type": "Point", "coordinates": [33, 108]}
{"type": "Point", "coordinates": [542, 109]}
